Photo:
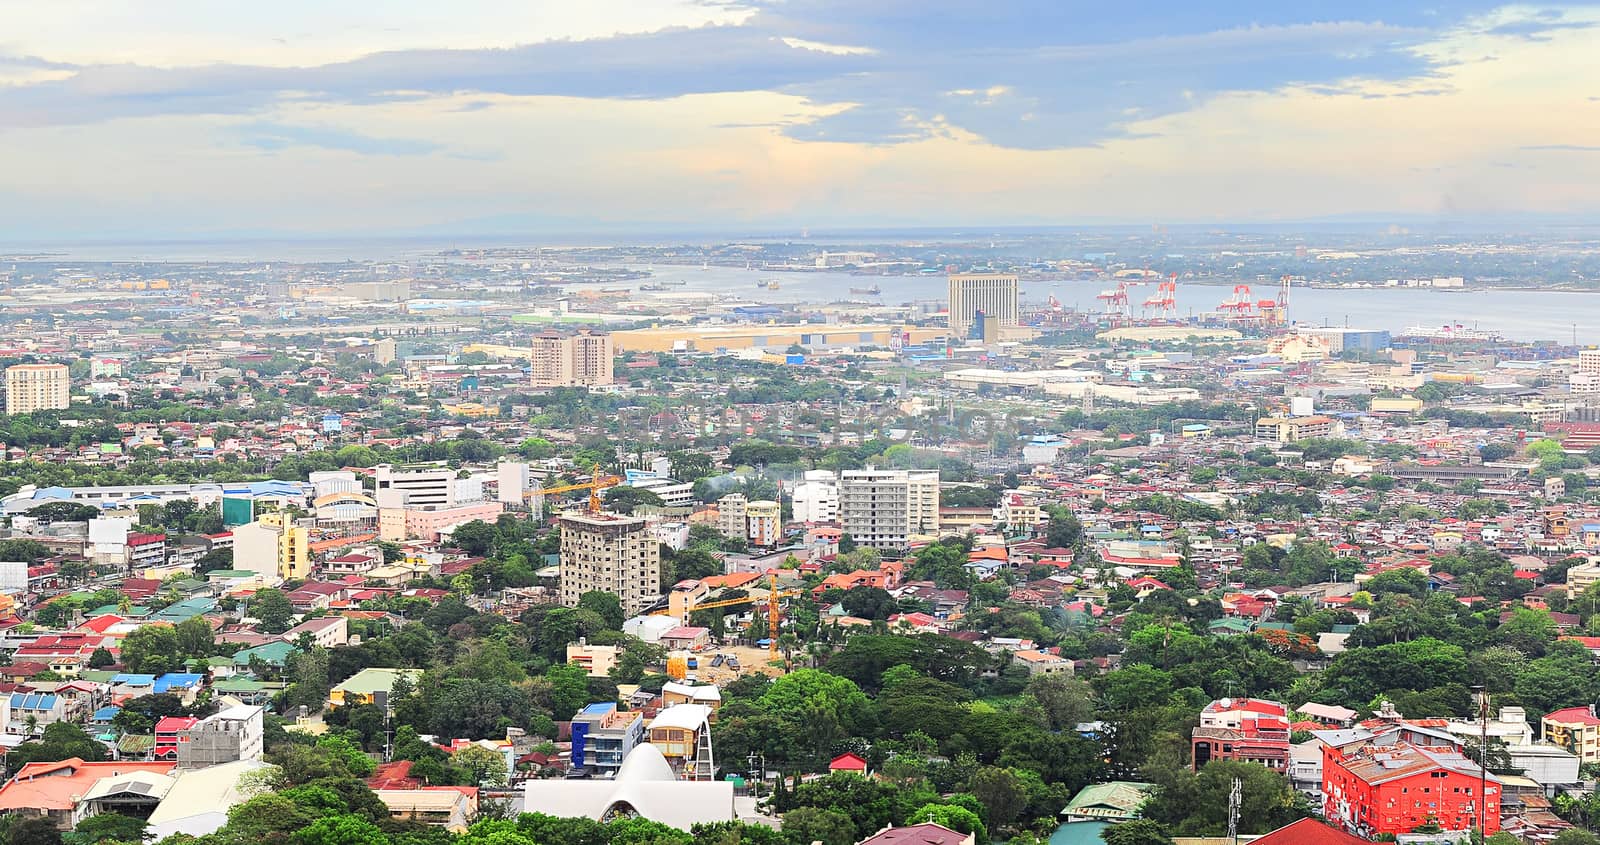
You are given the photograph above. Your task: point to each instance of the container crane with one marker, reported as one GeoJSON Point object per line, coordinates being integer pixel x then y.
{"type": "Point", "coordinates": [594, 485]}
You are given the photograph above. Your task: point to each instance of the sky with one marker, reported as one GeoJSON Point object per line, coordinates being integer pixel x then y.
{"type": "Point", "coordinates": [197, 118]}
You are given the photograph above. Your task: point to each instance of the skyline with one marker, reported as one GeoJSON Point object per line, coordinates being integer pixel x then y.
{"type": "Point", "coordinates": [181, 120]}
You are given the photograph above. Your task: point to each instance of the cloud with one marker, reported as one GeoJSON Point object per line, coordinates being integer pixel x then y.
{"type": "Point", "coordinates": [1070, 73]}
{"type": "Point", "coordinates": [274, 137]}
{"type": "Point", "coordinates": [1561, 148]}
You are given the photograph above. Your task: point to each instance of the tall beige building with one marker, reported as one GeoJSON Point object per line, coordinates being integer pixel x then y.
{"type": "Point", "coordinates": [994, 294]}
{"type": "Point", "coordinates": [612, 554]}
{"type": "Point", "coordinates": [37, 387]}
{"type": "Point", "coordinates": [571, 361]}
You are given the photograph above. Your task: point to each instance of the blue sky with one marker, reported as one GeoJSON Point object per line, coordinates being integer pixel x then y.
{"type": "Point", "coordinates": [188, 117]}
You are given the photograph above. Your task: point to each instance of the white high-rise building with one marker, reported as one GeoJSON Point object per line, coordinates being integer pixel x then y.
{"type": "Point", "coordinates": [511, 482]}
{"type": "Point", "coordinates": [884, 508]}
{"type": "Point", "coordinates": [991, 294]}
{"type": "Point", "coordinates": [612, 554]}
{"type": "Point", "coordinates": [816, 499]}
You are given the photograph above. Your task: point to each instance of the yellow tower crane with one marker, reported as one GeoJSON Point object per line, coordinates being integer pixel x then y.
{"type": "Point", "coordinates": [774, 610]}
{"type": "Point", "coordinates": [594, 485]}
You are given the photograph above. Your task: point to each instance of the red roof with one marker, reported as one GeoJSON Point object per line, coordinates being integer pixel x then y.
{"type": "Point", "coordinates": [145, 539]}
{"type": "Point", "coordinates": [848, 762]}
{"type": "Point", "coordinates": [1309, 832]}
{"type": "Point", "coordinates": [1573, 716]}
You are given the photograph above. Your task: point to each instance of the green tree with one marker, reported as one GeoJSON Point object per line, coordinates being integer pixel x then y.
{"type": "Point", "coordinates": [272, 609]}
{"type": "Point", "coordinates": [819, 824]}
{"type": "Point", "coordinates": [152, 649]}
{"type": "Point", "coordinates": [484, 767]}
{"type": "Point", "coordinates": [343, 829]}
{"type": "Point", "coordinates": [1136, 832]}
{"type": "Point", "coordinates": [476, 538]}
{"type": "Point", "coordinates": [113, 827]}
{"type": "Point", "coordinates": [607, 605]}
{"type": "Point", "coordinates": [624, 499]}
{"type": "Point", "coordinates": [951, 816]}
{"type": "Point", "coordinates": [569, 689]}
{"type": "Point", "coordinates": [1002, 792]}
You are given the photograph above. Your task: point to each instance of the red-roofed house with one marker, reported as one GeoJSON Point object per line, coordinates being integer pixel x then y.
{"type": "Point", "coordinates": [54, 790]}
{"type": "Point", "coordinates": [1576, 729]}
{"type": "Point", "coordinates": [848, 762]}
{"type": "Point", "coordinates": [1392, 789]}
{"type": "Point", "coordinates": [1249, 729]}
{"type": "Point", "coordinates": [1308, 832]}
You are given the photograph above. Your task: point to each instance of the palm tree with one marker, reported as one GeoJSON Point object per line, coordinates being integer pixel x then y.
{"type": "Point", "coordinates": [32, 723]}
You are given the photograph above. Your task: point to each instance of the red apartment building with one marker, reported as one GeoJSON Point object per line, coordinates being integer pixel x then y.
{"type": "Point", "coordinates": [1248, 729]}
{"type": "Point", "coordinates": [1371, 790]}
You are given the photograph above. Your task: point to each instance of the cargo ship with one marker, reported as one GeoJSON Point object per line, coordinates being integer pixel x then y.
{"type": "Point", "coordinates": [872, 291]}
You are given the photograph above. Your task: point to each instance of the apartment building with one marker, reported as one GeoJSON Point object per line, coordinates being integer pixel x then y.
{"type": "Point", "coordinates": [583, 360]}
{"type": "Point", "coordinates": [1291, 429]}
{"type": "Point", "coordinates": [975, 296]}
{"type": "Point", "coordinates": [610, 553]}
{"type": "Point", "coordinates": [883, 509]}
{"type": "Point", "coordinates": [37, 387]}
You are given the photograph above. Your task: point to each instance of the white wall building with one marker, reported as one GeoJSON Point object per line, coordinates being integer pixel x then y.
{"type": "Point", "coordinates": [816, 499]}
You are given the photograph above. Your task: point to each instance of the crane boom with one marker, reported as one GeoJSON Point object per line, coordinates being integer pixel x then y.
{"type": "Point", "coordinates": [594, 485]}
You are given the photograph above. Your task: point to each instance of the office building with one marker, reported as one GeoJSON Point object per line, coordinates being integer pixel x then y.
{"type": "Point", "coordinates": [612, 554]}
{"type": "Point", "coordinates": [816, 499]}
{"type": "Point", "coordinates": [978, 296]}
{"type": "Point", "coordinates": [884, 508]}
{"type": "Point", "coordinates": [602, 736]}
{"type": "Point", "coordinates": [37, 387]}
{"type": "Point", "coordinates": [583, 360]}
{"type": "Point", "coordinates": [512, 483]}
{"type": "Point", "coordinates": [416, 487]}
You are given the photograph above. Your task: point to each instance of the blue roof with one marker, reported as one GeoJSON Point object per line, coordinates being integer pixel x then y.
{"type": "Point", "coordinates": [134, 680]}
{"type": "Point", "coordinates": [107, 713]}
{"type": "Point", "coordinates": [598, 708]}
{"type": "Point", "coordinates": [177, 680]}
{"type": "Point", "coordinates": [52, 493]}
{"type": "Point", "coordinates": [32, 701]}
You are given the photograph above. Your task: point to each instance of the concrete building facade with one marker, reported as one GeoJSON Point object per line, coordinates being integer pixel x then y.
{"type": "Point", "coordinates": [612, 554]}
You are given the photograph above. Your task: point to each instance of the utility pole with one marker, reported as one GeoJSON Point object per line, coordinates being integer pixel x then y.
{"type": "Point", "coordinates": [1483, 758]}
